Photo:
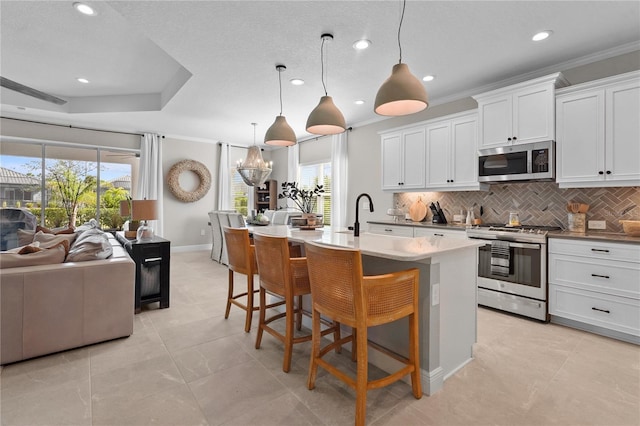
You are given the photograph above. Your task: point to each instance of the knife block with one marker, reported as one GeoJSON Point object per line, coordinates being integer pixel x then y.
{"type": "Point", "coordinates": [437, 219]}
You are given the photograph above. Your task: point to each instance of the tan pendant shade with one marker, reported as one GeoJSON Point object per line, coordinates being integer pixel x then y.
{"type": "Point", "coordinates": [124, 208]}
{"type": "Point", "coordinates": [326, 118]}
{"type": "Point", "coordinates": [401, 94]}
{"type": "Point", "coordinates": [280, 133]}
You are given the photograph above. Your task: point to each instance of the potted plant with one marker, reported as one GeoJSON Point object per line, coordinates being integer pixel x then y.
{"type": "Point", "coordinates": [304, 199]}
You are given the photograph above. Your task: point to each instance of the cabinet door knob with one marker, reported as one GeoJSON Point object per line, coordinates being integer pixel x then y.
{"type": "Point", "coordinates": [508, 139]}
{"type": "Point", "coordinates": [514, 138]}
{"type": "Point", "coordinates": [608, 172]}
{"type": "Point", "coordinates": [600, 172]}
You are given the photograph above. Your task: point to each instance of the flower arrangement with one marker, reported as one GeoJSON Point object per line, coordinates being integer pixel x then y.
{"type": "Point", "coordinates": [304, 199]}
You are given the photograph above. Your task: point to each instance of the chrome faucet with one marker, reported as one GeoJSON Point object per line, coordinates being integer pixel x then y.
{"type": "Point", "coordinates": [356, 226]}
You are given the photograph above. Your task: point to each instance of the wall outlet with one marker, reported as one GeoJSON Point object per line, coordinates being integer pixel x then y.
{"type": "Point", "coordinates": [435, 295]}
{"type": "Point", "coordinates": [202, 232]}
{"type": "Point", "coordinates": [597, 224]}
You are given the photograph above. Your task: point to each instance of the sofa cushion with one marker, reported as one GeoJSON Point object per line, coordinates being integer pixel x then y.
{"type": "Point", "coordinates": [92, 244]}
{"type": "Point", "coordinates": [55, 254]}
{"type": "Point", "coordinates": [25, 237]}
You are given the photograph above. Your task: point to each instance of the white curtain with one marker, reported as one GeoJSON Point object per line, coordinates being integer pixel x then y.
{"type": "Point", "coordinates": [293, 161]}
{"type": "Point", "coordinates": [224, 184]}
{"type": "Point", "coordinates": [150, 179]}
{"type": "Point", "coordinates": [339, 173]}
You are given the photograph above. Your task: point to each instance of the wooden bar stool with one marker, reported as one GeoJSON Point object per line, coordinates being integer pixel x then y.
{"type": "Point", "coordinates": [287, 278]}
{"type": "Point", "coordinates": [339, 291]}
{"type": "Point", "coordinates": [242, 260]}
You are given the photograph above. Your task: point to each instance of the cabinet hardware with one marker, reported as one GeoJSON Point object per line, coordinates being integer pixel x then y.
{"type": "Point", "coordinates": [388, 230]}
{"type": "Point", "coordinates": [515, 138]}
{"type": "Point", "coordinates": [438, 235]}
{"type": "Point", "coordinates": [600, 172]}
{"type": "Point", "coordinates": [508, 139]}
{"type": "Point", "coordinates": [600, 250]}
{"type": "Point", "coordinates": [606, 311]}
{"type": "Point", "coordinates": [600, 276]}
{"type": "Point", "coordinates": [608, 172]}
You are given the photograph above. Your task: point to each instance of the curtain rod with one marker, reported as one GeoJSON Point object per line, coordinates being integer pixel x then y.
{"type": "Point", "coordinates": [73, 127]}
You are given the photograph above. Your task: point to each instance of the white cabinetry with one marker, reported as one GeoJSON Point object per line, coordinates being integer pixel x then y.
{"type": "Point", "coordinates": [517, 114]}
{"type": "Point", "coordinates": [452, 160]}
{"type": "Point", "coordinates": [598, 133]}
{"type": "Point", "coordinates": [435, 232]}
{"type": "Point", "coordinates": [403, 159]}
{"type": "Point", "coordinates": [395, 230]}
{"type": "Point", "coordinates": [595, 286]}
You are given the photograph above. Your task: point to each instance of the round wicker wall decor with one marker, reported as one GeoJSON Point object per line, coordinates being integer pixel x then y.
{"type": "Point", "coordinates": [173, 180]}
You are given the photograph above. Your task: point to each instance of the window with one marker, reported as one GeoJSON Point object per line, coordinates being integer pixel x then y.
{"type": "Point", "coordinates": [318, 174]}
{"type": "Point", "coordinates": [239, 193]}
{"type": "Point", "coordinates": [71, 193]}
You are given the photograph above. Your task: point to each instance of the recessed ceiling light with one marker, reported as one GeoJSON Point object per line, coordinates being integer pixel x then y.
{"type": "Point", "coordinates": [85, 9]}
{"type": "Point", "coordinates": [359, 102]}
{"type": "Point", "coordinates": [542, 35]}
{"type": "Point", "coordinates": [361, 44]}
{"type": "Point", "coordinates": [297, 81]}
{"type": "Point", "coordinates": [428, 77]}
{"type": "Point", "coordinates": [82, 80]}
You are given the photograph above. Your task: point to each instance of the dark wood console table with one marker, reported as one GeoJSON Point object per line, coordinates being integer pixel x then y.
{"type": "Point", "coordinates": [152, 259]}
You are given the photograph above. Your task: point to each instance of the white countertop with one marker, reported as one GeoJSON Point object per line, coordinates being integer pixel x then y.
{"type": "Point", "coordinates": [385, 246]}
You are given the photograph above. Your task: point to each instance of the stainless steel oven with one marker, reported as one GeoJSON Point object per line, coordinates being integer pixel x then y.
{"type": "Point", "coordinates": [512, 269]}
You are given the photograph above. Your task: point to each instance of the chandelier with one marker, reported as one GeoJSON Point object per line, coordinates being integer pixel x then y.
{"type": "Point", "coordinates": [254, 170]}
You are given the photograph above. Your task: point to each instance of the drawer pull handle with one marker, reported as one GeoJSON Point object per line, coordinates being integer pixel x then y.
{"type": "Point", "coordinates": [600, 250]}
{"type": "Point", "coordinates": [388, 230]}
{"type": "Point", "coordinates": [153, 259]}
{"type": "Point", "coordinates": [600, 276]}
{"type": "Point", "coordinates": [438, 235]}
{"type": "Point", "coordinates": [606, 311]}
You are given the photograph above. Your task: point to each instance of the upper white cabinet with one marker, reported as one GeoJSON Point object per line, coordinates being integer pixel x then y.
{"type": "Point", "coordinates": [403, 159]}
{"type": "Point", "coordinates": [521, 113]}
{"type": "Point", "coordinates": [452, 160]}
{"type": "Point", "coordinates": [439, 154]}
{"type": "Point", "coordinates": [598, 133]}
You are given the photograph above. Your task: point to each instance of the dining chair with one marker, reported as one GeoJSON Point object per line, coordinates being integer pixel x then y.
{"type": "Point", "coordinates": [340, 291]}
{"type": "Point", "coordinates": [287, 279]}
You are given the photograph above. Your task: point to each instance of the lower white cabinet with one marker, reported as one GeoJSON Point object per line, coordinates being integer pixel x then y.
{"type": "Point", "coordinates": [595, 286]}
{"type": "Point", "coordinates": [395, 230]}
{"type": "Point", "coordinates": [434, 232]}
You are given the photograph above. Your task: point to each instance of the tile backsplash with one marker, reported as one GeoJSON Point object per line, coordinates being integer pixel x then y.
{"type": "Point", "coordinates": [538, 203]}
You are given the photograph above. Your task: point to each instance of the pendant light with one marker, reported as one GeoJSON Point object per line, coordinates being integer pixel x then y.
{"type": "Point", "coordinates": [254, 170]}
{"type": "Point", "coordinates": [326, 118]}
{"type": "Point", "coordinates": [280, 133]}
{"type": "Point", "coordinates": [402, 93]}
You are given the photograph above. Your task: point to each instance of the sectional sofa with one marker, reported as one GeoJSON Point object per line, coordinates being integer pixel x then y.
{"type": "Point", "coordinates": [49, 308]}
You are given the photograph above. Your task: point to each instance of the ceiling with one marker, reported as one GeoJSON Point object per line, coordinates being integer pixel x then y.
{"type": "Point", "coordinates": [205, 70]}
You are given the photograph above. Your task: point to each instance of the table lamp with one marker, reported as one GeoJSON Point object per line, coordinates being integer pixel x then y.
{"type": "Point", "coordinates": [144, 210]}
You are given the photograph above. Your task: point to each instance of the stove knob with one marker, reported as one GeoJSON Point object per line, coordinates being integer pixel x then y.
{"type": "Point", "coordinates": [531, 231]}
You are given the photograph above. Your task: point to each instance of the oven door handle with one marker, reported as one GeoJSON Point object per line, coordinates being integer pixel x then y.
{"type": "Point", "coordinates": [524, 245]}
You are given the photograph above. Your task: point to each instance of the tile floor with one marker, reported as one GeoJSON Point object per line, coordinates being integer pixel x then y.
{"type": "Point", "coordinates": [186, 365]}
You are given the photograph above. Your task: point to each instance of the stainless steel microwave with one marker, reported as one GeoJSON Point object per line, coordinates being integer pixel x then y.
{"type": "Point", "coordinates": [526, 162]}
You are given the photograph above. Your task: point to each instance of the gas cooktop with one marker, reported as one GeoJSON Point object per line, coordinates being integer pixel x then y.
{"type": "Point", "coordinates": [498, 231]}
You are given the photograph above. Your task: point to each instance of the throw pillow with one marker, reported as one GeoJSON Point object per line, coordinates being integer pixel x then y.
{"type": "Point", "coordinates": [92, 244]}
{"type": "Point", "coordinates": [29, 249]}
{"type": "Point", "coordinates": [25, 237]}
{"type": "Point", "coordinates": [44, 257]}
{"type": "Point", "coordinates": [49, 240]}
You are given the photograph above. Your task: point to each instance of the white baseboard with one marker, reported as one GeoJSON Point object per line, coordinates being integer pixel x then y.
{"type": "Point", "coordinates": [200, 247]}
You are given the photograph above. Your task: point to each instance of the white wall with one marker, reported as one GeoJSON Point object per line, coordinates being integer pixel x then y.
{"type": "Point", "coordinates": [183, 222]}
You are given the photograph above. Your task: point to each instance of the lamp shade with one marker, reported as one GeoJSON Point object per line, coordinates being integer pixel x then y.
{"type": "Point", "coordinates": [143, 210]}
{"type": "Point", "coordinates": [280, 133]}
{"type": "Point", "coordinates": [254, 170]}
{"type": "Point", "coordinates": [401, 94]}
{"type": "Point", "coordinates": [124, 208]}
{"type": "Point", "coordinates": [326, 118]}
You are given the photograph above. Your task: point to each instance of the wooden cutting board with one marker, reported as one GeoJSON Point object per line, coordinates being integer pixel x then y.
{"type": "Point", "coordinates": [418, 210]}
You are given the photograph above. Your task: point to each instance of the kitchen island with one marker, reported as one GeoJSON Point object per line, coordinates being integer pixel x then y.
{"type": "Point", "coordinates": [447, 301]}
